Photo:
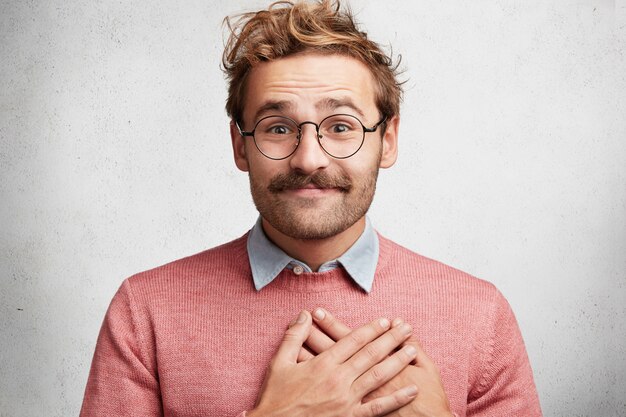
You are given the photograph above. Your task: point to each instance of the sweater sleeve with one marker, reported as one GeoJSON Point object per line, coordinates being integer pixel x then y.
{"type": "Point", "coordinates": [123, 379]}
{"type": "Point", "coordinates": [505, 384]}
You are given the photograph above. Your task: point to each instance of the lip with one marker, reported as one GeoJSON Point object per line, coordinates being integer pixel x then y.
{"type": "Point", "coordinates": [312, 191]}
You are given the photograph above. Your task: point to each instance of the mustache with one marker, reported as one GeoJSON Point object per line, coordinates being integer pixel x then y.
{"type": "Point", "coordinates": [293, 181]}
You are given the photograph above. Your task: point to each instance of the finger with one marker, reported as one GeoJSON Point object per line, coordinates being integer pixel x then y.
{"type": "Point", "coordinates": [396, 322]}
{"type": "Point", "coordinates": [345, 348]}
{"type": "Point", "coordinates": [318, 342]}
{"type": "Point", "coordinates": [330, 325]}
{"type": "Point", "coordinates": [421, 358]}
{"type": "Point", "coordinates": [304, 355]}
{"type": "Point", "coordinates": [333, 327]}
{"type": "Point", "coordinates": [294, 339]}
{"type": "Point", "coordinates": [380, 374]}
{"type": "Point", "coordinates": [377, 350]}
{"type": "Point", "coordinates": [389, 403]}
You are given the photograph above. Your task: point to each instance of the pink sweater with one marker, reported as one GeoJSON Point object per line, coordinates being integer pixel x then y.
{"type": "Point", "coordinates": [193, 338]}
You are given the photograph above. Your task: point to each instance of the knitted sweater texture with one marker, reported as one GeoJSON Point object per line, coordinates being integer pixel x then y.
{"type": "Point", "coordinates": [194, 338]}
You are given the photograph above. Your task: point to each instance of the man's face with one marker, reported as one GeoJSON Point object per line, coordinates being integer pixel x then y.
{"type": "Point", "coordinates": [310, 194]}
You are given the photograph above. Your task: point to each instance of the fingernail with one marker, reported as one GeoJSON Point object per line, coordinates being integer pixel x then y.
{"type": "Point", "coordinates": [410, 350]}
{"type": "Point", "coordinates": [384, 323]}
{"type": "Point", "coordinates": [319, 314]}
{"type": "Point", "coordinates": [410, 391]}
{"type": "Point", "coordinates": [405, 328]}
{"type": "Point", "coordinates": [301, 317]}
{"type": "Point", "coordinates": [396, 322]}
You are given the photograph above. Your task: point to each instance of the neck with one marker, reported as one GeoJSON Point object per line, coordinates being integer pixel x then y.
{"type": "Point", "coordinates": [315, 252]}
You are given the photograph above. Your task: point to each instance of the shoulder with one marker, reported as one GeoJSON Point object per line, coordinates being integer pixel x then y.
{"type": "Point", "coordinates": [446, 295]}
{"type": "Point", "coordinates": [198, 270]}
{"type": "Point", "coordinates": [425, 274]}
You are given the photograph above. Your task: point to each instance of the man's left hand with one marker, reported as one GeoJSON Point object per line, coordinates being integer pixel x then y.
{"type": "Point", "coordinates": [431, 399]}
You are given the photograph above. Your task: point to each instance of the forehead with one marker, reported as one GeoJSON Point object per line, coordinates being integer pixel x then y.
{"type": "Point", "coordinates": [308, 85]}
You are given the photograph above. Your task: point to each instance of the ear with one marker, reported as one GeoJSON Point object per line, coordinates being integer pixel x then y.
{"type": "Point", "coordinates": [239, 147]}
{"type": "Point", "coordinates": [390, 143]}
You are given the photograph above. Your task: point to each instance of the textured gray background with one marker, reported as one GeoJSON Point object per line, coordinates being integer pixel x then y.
{"type": "Point", "coordinates": [115, 157]}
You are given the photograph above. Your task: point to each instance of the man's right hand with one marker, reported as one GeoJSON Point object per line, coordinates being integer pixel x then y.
{"type": "Point", "coordinates": [335, 382]}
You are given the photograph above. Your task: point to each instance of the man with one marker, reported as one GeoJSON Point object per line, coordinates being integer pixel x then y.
{"type": "Point", "coordinates": [294, 318]}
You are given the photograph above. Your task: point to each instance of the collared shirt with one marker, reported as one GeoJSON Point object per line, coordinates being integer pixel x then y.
{"type": "Point", "coordinates": [267, 260]}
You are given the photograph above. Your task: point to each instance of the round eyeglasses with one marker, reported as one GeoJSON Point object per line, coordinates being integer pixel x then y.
{"type": "Point", "coordinates": [339, 135]}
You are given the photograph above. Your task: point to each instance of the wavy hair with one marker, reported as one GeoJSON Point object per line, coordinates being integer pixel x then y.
{"type": "Point", "coordinates": [287, 28]}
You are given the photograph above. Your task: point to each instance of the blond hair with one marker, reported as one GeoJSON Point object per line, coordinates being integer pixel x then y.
{"type": "Point", "coordinates": [288, 28]}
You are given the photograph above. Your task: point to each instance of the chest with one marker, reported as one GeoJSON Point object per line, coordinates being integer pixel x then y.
{"type": "Point", "coordinates": [212, 358]}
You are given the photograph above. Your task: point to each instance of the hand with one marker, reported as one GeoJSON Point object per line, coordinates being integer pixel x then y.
{"type": "Point", "coordinates": [334, 382]}
{"type": "Point", "coordinates": [431, 399]}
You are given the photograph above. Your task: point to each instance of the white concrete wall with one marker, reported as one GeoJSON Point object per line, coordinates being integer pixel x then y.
{"type": "Point", "coordinates": [114, 158]}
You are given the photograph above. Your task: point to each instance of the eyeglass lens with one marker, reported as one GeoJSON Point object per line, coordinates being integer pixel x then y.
{"type": "Point", "coordinates": [339, 135]}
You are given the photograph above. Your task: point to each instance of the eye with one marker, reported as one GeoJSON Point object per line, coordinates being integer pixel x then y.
{"type": "Point", "coordinates": [279, 130]}
{"type": "Point", "coordinates": [340, 128]}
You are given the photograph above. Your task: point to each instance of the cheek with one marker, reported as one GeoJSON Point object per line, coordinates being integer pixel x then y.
{"type": "Point", "coordinates": [372, 148]}
{"type": "Point", "coordinates": [262, 170]}
{"type": "Point", "coordinates": [364, 161]}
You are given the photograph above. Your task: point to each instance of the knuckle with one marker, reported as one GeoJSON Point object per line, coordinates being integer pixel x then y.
{"type": "Point", "coordinates": [330, 356]}
{"type": "Point", "coordinates": [319, 365]}
{"type": "Point", "coordinates": [355, 338]}
{"type": "Point", "coordinates": [377, 375]}
{"type": "Point", "coordinates": [376, 408]}
{"type": "Point", "coordinates": [291, 335]}
{"type": "Point", "coordinates": [372, 351]}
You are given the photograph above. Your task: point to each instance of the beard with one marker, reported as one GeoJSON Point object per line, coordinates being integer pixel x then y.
{"type": "Point", "coordinates": [314, 218]}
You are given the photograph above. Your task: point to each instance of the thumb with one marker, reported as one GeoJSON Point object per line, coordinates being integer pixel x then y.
{"type": "Point", "coordinates": [294, 338]}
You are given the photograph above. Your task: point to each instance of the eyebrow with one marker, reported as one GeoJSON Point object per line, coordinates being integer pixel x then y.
{"type": "Point", "coordinates": [334, 103]}
{"type": "Point", "coordinates": [279, 106]}
{"type": "Point", "coordinates": [284, 106]}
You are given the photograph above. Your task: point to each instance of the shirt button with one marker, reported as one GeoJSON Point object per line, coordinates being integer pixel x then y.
{"type": "Point", "coordinates": [298, 269]}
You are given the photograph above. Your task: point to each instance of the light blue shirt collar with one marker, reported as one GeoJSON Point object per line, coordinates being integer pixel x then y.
{"type": "Point", "coordinates": [267, 260]}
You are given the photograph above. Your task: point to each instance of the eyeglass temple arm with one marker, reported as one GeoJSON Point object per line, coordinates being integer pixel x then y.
{"type": "Point", "coordinates": [243, 132]}
{"type": "Point", "coordinates": [373, 128]}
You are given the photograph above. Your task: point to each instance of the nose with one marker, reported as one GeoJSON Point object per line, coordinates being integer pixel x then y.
{"type": "Point", "coordinates": [309, 156]}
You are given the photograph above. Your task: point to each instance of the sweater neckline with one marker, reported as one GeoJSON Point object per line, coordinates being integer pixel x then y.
{"type": "Point", "coordinates": [311, 282]}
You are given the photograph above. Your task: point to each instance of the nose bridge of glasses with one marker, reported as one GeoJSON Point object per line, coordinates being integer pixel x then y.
{"type": "Point", "coordinates": [308, 122]}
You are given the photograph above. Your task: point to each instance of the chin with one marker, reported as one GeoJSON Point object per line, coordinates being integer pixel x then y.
{"type": "Point", "coordinates": [310, 225]}
{"type": "Point", "coordinates": [312, 233]}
